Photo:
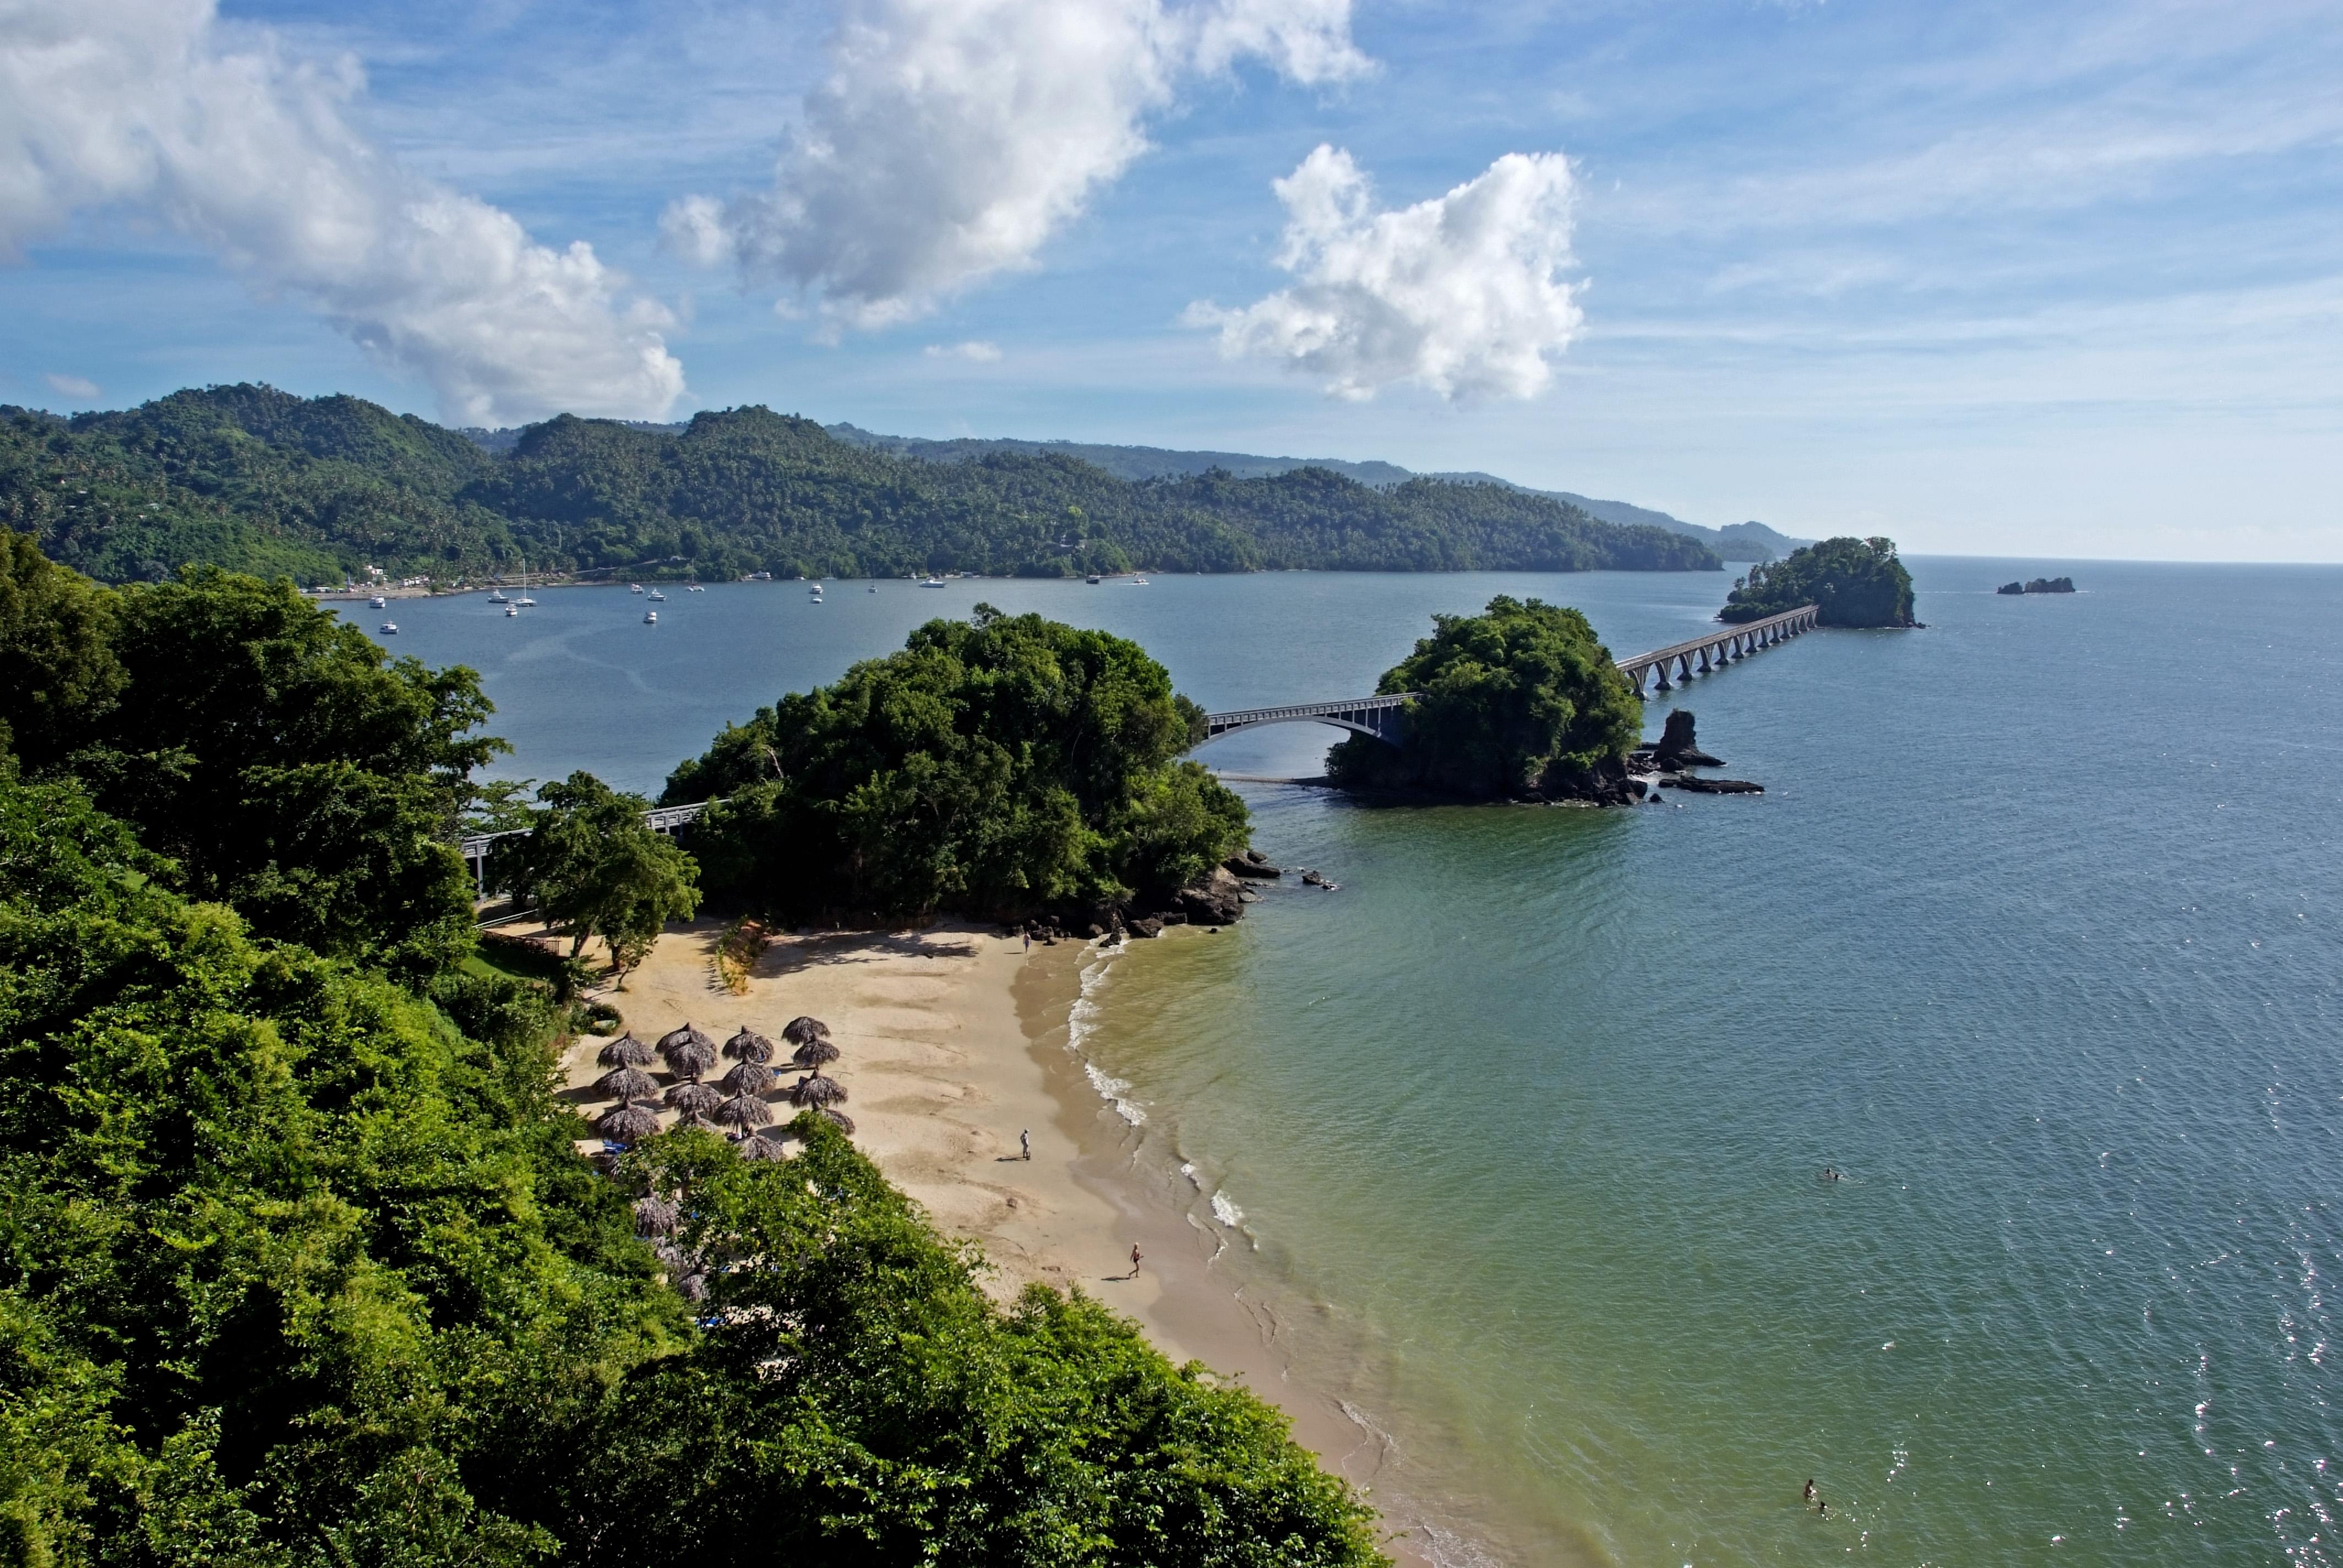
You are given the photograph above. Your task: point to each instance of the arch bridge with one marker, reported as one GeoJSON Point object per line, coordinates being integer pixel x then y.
{"type": "Point", "coordinates": [1383, 716]}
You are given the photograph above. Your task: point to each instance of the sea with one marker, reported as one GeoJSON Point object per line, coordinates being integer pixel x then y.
{"type": "Point", "coordinates": [1520, 1136]}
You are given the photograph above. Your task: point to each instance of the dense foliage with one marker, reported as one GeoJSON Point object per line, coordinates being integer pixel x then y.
{"type": "Point", "coordinates": [258, 480]}
{"type": "Point", "coordinates": [271, 750]}
{"type": "Point", "coordinates": [589, 861]}
{"type": "Point", "coordinates": [299, 1265]}
{"type": "Point", "coordinates": [997, 767]}
{"type": "Point", "coordinates": [1855, 582]}
{"type": "Point", "coordinates": [1520, 699]}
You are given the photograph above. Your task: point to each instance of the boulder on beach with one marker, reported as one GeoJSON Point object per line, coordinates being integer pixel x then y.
{"type": "Point", "coordinates": [1217, 900]}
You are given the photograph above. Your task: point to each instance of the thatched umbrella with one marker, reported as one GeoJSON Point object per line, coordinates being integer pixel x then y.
{"type": "Point", "coordinates": [694, 1098]}
{"type": "Point", "coordinates": [800, 1029]}
{"type": "Point", "coordinates": [656, 1216]}
{"type": "Point", "coordinates": [673, 1256]}
{"type": "Point", "coordinates": [627, 1123]}
{"type": "Point", "coordinates": [744, 1112]}
{"type": "Point", "coordinates": [627, 1083]}
{"type": "Point", "coordinates": [816, 1091]}
{"type": "Point", "coordinates": [689, 1052]}
{"type": "Point", "coordinates": [761, 1148]}
{"type": "Point", "coordinates": [624, 1051]}
{"type": "Point", "coordinates": [746, 1078]}
{"type": "Point", "coordinates": [840, 1119]}
{"type": "Point", "coordinates": [748, 1046]}
{"type": "Point", "coordinates": [693, 1287]}
{"type": "Point", "coordinates": [705, 1122]}
{"type": "Point", "coordinates": [813, 1053]}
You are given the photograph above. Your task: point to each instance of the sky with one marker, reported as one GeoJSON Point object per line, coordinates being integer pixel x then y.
{"type": "Point", "coordinates": [2041, 279]}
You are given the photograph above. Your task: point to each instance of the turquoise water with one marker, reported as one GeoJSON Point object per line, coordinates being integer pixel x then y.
{"type": "Point", "coordinates": [2034, 936]}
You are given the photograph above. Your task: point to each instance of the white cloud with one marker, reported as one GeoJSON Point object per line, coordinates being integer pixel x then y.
{"type": "Point", "coordinates": [157, 108]}
{"type": "Point", "coordinates": [953, 138]}
{"type": "Point", "coordinates": [80, 389]}
{"type": "Point", "coordinates": [1461, 294]}
{"type": "Point", "coordinates": [975, 349]}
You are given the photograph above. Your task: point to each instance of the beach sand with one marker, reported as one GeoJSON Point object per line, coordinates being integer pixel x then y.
{"type": "Point", "coordinates": [953, 1040]}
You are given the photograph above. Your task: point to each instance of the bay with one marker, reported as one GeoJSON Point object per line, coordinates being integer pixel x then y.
{"type": "Point", "coordinates": [2034, 936]}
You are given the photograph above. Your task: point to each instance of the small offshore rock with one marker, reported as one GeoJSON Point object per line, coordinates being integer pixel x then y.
{"type": "Point", "coordinates": [1713, 786]}
{"type": "Point", "coordinates": [1147, 926]}
{"type": "Point", "coordinates": [1252, 864]}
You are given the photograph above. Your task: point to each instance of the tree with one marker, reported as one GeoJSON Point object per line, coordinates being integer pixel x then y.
{"type": "Point", "coordinates": [998, 766]}
{"type": "Point", "coordinates": [1853, 582]}
{"type": "Point", "coordinates": [56, 632]}
{"type": "Point", "coordinates": [1521, 699]}
{"type": "Point", "coordinates": [593, 865]}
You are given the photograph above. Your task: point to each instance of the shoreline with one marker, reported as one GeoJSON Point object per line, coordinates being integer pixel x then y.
{"type": "Point", "coordinates": [954, 1039]}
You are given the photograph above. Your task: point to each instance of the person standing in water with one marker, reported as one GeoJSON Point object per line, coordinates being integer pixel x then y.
{"type": "Point", "coordinates": [1810, 1489]}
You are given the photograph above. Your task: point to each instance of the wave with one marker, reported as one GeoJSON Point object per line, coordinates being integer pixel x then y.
{"type": "Point", "coordinates": [1114, 1090]}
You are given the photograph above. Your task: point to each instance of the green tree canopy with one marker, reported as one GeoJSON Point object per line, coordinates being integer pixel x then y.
{"type": "Point", "coordinates": [296, 1274]}
{"type": "Point", "coordinates": [592, 866]}
{"type": "Point", "coordinates": [266, 746]}
{"type": "Point", "coordinates": [996, 767]}
{"type": "Point", "coordinates": [1521, 698]}
{"type": "Point", "coordinates": [1853, 582]}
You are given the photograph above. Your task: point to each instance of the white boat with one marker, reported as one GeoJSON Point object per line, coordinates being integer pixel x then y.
{"type": "Point", "coordinates": [874, 587]}
{"type": "Point", "coordinates": [497, 596]}
{"type": "Point", "coordinates": [651, 617]}
{"type": "Point", "coordinates": [378, 602]}
{"type": "Point", "coordinates": [657, 598]}
{"type": "Point", "coordinates": [694, 587]}
{"type": "Point", "coordinates": [816, 591]}
{"type": "Point", "coordinates": [934, 582]}
{"type": "Point", "coordinates": [512, 610]}
{"type": "Point", "coordinates": [1137, 582]}
{"type": "Point", "coordinates": [390, 629]}
{"type": "Point", "coordinates": [524, 600]}
{"type": "Point", "coordinates": [634, 588]}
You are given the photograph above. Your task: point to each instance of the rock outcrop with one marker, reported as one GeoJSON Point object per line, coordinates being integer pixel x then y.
{"type": "Point", "coordinates": [1252, 864]}
{"type": "Point", "coordinates": [2039, 585]}
{"type": "Point", "coordinates": [1677, 747]}
{"type": "Point", "coordinates": [1712, 785]}
{"type": "Point", "coordinates": [1217, 900]}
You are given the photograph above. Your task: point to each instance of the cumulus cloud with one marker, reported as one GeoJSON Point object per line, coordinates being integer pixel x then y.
{"type": "Point", "coordinates": [976, 349]}
{"type": "Point", "coordinates": [156, 108]}
{"type": "Point", "coordinates": [1463, 294]}
{"type": "Point", "coordinates": [951, 138]}
{"type": "Point", "coordinates": [80, 389]}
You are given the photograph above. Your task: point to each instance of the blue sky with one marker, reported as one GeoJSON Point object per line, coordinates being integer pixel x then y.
{"type": "Point", "coordinates": [2042, 280]}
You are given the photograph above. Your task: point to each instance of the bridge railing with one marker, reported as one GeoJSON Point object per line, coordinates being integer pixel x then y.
{"type": "Point", "coordinates": [1216, 723]}
{"type": "Point", "coordinates": [476, 846]}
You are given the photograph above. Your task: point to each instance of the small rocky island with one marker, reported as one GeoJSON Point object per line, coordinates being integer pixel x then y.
{"type": "Point", "coordinates": [1851, 582]}
{"type": "Point", "coordinates": [2039, 585]}
{"type": "Point", "coordinates": [1661, 763]}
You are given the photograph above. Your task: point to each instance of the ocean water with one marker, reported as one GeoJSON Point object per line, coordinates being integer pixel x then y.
{"type": "Point", "coordinates": [2034, 936]}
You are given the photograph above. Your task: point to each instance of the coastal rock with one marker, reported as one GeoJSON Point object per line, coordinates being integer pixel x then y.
{"type": "Point", "coordinates": [1253, 864]}
{"type": "Point", "coordinates": [1217, 900]}
{"type": "Point", "coordinates": [2039, 585]}
{"type": "Point", "coordinates": [1713, 786]}
{"type": "Point", "coordinates": [1677, 747]}
{"type": "Point", "coordinates": [1604, 784]}
{"type": "Point", "coordinates": [1147, 926]}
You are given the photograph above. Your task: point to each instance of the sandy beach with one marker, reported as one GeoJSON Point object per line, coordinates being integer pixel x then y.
{"type": "Point", "coordinates": [953, 1041]}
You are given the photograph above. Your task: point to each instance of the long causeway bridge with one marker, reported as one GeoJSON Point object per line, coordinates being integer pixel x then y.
{"type": "Point", "coordinates": [1381, 716]}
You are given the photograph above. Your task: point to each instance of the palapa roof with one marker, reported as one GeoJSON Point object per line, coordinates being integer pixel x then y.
{"type": "Point", "coordinates": [627, 1083]}
{"type": "Point", "coordinates": [814, 1052]}
{"type": "Point", "coordinates": [816, 1091]}
{"type": "Point", "coordinates": [689, 1052]}
{"type": "Point", "coordinates": [656, 1216]}
{"type": "Point", "coordinates": [840, 1119]}
{"type": "Point", "coordinates": [694, 1098]}
{"type": "Point", "coordinates": [761, 1148]}
{"type": "Point", "coordinates": [748, 1046]}
{"type": "Point", "coordinates": [687, 1034]}
{"type": "Point", "coordinates": [746, 1078]}
{"type": "Point", "coordinates": [627, 1123]}
{"type": "Point", "coordinates": [693, 1287]}
{"type": "Point", "coordinates": [800, 1029]}
{"type": "Point", "coordinates": [744, 1112]}
{"type": "Point", "coordinates": [624, 1051]}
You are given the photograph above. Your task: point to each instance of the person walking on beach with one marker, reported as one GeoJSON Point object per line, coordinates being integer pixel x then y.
{"type": "Point", "coordinates": [1135, 1255]}
{"type": "Point", "coordinates": [1029, 942]}
{"type": "Point", "coordinates": [1025, 1141]}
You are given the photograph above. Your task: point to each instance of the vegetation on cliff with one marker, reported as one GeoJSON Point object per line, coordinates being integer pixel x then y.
{"type": "Point", "coordinates": [1854, 582]}
{"type": "Point", "coordinates": [299, 1267]}
{"type": "Point", "coordinates": [1522, 699]}
{"type": "Point", "coordinates": [257, 480]}
{"type": "Point", "coordinates": [998, 766]}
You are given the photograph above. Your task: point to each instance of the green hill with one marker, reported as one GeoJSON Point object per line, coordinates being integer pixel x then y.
{"type": "Point", "coordinates": [259, 480]}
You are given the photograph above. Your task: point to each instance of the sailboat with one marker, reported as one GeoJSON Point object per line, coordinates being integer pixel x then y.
{"type": "Point", "coordinates": [524, 600]}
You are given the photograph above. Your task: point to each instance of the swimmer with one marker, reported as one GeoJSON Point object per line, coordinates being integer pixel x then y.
{"type": "Point", "coordinates": [1810, 1489]}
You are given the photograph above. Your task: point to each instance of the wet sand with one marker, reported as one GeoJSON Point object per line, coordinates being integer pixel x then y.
{"type": "Point", "coordinates": [953, 1040]}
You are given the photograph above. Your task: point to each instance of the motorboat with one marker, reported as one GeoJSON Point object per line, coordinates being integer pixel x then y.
{"type": "Point", "coordinates": [816, 591]}
{"type": "Point", "coordinates": [634, 588]}
{"type": "Point", "coordinates": [497, 596]}
{"type": "Point", "coordinates": [1092, 579]}
{"type": "Point", "coordinates": [378, 602]}
{"type": "Point", "coordinates": [874, 587]}
{"type": "Point", "coordinates": [512, 610]}
{"type": "Point", "coordinates": [651, 617]}
{"type": "Point", "coordinates": [390, 629]}
{"type": "Point", "coordinates": [1138, 581]}
{"type": "Point", "coordinates": [693, 588]}
{"type": "Point", "coordinates": [934, 582]}
{"type": "Point", "coordinates": [657, 598]}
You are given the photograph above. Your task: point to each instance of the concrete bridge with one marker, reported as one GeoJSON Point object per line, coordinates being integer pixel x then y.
{"type": "Point", "coordinates": [1381, 717]}
{"type": "Point", "coordinates": [475, 847]}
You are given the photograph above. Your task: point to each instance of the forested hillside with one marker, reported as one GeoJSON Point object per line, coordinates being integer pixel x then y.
{"type": "Point", "coordinates": [259, 480]}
